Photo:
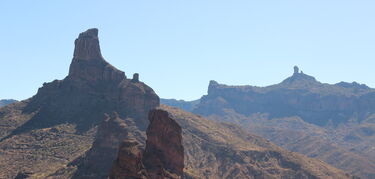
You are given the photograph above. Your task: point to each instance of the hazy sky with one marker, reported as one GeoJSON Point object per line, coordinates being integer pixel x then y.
{"type": "Point", "coordinates": [178, 46]}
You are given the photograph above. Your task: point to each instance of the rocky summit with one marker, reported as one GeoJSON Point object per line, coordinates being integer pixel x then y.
{"type": "Point", "coordinates": [88, 63]}
{"type": "Point", "coordinates": [96, 123]}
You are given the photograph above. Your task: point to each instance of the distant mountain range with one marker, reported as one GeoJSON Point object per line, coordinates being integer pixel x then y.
{"type": "Point", "coordinates": [4, 102]}
{"type": "Point", "coordinates": [334, 123]}
{"type": "Point", "coordinates": [185, 105]}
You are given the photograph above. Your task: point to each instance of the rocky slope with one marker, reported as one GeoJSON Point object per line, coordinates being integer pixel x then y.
{"type": "Point", "coordinates": [96, 163]}
{"type": "Point", "coordinates": [221, 150]}
{"type": "Point", "coordinates": [330, 122]}
{"type": "Point", "coordinates": [72, 128]}
{"type": "Point", "coordinates": [212, 150]}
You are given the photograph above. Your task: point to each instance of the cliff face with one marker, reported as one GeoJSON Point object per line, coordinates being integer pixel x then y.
{"type": "Point", "coordinates": [88, 63]}
{"type": "Point", "coordinates": [163, 156]}
{"type": "Point", "coordinates": [164, 153]}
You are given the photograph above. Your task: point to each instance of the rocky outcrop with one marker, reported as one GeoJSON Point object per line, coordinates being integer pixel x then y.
{"type": "Point", "coordinates": [135, 78]}
{"type": "Point", "coordinates": [163, 156]}
{"type": "Point", "coordinates": [164, 153]}
{"type": "Point", "coordinates": [78, 102]}
{"type": "Point", "coordinates": [92, 85]}
{"type": "Point", "coordinates": [87, 46]}
{"type": "Point", "coordinates": [296, 70]}
{"type": "Point", "coordinates": [88, 63]}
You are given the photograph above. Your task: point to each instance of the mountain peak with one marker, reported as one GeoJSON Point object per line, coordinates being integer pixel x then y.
{"type": "Point", "coordinates": [88, 62]}
{"type": "Point", "coordinates": [92, 33]}
{"type": "Point", "coordinates": [87, 46]}
{"type": "Point", "coordinates": [299, 78]}
{"type": "Point", "coordinates": [212, 85]}
{"type": "Point", "coordinates": [296, 69]}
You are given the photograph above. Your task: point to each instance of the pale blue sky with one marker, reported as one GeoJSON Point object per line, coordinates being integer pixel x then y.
{"type": "Point", "coordinates": [178, 46]}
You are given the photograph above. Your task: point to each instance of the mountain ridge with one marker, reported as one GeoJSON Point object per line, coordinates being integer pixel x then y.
{"type": "Point", "coordinates": [302, 115]}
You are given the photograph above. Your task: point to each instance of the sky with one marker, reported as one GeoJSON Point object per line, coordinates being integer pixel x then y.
{"type": "Point", "coordinates": [177, 46]}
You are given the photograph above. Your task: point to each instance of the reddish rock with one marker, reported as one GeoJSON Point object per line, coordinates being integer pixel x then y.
{"type": "Point", "coordinates": [163, 156]}
{"type": "Point", "coordinates": [164, 153]}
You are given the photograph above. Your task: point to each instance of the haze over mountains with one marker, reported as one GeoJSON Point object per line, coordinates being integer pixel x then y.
{"type": "Point", "coordinates": [334, 123]}
{"type": "Point", "coordinates": [92, 124]}
{"type": "Point", "coordinates": [4, 102]}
